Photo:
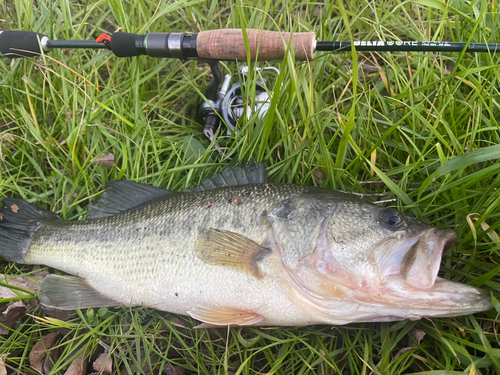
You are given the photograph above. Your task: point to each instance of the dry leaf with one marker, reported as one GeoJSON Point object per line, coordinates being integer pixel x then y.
{"type": "Point", "coordinates": [6, 141]}
{"type": "Point", "coordinates": [103, 363]}
{"type": "Point", "coordinates": [105, 160]}
{"type": "Point", "coordinates": [14, 310]}
{"type": "Point", "coordinates": [373, 159]}
{"type": "Point", "coordinates": [319, 174]}
{"type": "Point", "coordinates": [3, 370]}
{"type": "Point", "coordinates": [170, 369]}
{"type": "Point", "coordinates": [417, 335]}
{"type": "Point", "coordinates": [13, 313]}
{"type": "Point", "coordinates": [78, 366]}
{"type": "Point", "coordinates": [21, 282]}
{"type": "Point", "coordinates": [39, 351]}
{"type": "Point", "coordinates": [8, 138]}
{"type": "Point", "coordinates": [52, 312]}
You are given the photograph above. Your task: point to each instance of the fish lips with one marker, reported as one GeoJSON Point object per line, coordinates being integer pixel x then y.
{"type": "Point", "coordinates": [420, 264]}
{"type": "Point", "coordinates": [411, 278]}
{"type": "Point", "coordinates": [416, 259]}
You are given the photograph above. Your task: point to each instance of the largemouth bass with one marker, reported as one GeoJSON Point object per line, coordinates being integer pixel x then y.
{"type": "Point", "coordinates": [240, 251]}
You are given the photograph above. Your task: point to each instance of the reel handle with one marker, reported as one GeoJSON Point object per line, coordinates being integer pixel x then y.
{"type": "Point", "coordinates": [21, 43]}
{"type": "Point", "coordinates": [229, 44]}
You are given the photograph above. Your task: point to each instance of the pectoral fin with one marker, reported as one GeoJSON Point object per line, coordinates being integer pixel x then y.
{"type": "Point", "coordinates": [219, 316]}
{"type": "Point", "coordinates": [71, 293]}
{"type": "Point", "coordinates": [228, 249]}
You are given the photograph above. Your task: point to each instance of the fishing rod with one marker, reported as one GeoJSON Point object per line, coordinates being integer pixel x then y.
{"type": "Point", "coordinates": [223, 44]}
{"type": "Point", "coordinates": [213, 46]}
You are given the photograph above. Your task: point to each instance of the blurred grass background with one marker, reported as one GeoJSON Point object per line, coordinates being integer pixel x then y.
{"type": "Point", "coordinates": [420, 128]}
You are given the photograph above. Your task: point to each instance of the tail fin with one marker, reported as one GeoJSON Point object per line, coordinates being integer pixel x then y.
{"type": "Point", "coordinates": [19, 220]}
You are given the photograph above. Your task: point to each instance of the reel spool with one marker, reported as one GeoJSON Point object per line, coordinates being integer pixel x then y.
{"type": "Point", "coordinates": [226, 106]}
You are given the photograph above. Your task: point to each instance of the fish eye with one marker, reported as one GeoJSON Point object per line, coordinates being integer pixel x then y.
{"type": "Point", "coordinates": [392, 219]}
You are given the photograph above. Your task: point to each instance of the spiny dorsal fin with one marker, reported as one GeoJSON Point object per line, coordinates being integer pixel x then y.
{"type": "Point", "coordinates": [71, 293]}
{"type": "Point", "coordinates": [220, 316]}
{"type": "Point", "coordinates": [120, 196]}
{"type": "Point", "coordinates": [228, 249]}
{"type": "Point", "coordinates": [253, 173]}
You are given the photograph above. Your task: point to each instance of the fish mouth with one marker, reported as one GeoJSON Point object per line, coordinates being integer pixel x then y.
{"type": "Point", "coordinates": [420, 264]}
{"type": "Point", "coordinates": [415, 285]}
{"type": "Point", "coordinates": [415, 259]}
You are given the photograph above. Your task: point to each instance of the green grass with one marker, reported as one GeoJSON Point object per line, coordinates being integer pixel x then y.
{"type": "Point", "coordinates": [429, 119]}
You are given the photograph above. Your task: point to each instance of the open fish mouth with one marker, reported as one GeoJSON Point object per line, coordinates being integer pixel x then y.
{"type": "Point", "coordinates": [420, 264]}
{"type": "Point", "coordinates": [415, 284]}
{"type": "Point", "coordinates": [416, 259]}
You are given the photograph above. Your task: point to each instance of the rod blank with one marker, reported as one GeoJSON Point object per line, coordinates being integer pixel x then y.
{"type": "Point", "coordinates": [407, 46]}
{"type": "Point", "coordinates": [80, 44]}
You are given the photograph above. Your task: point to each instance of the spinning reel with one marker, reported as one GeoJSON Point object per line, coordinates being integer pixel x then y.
{"type": "Point", "coordinates": [225, 106]}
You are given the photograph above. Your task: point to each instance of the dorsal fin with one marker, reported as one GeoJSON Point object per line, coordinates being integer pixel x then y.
{"type": "Point", "coordinates": [253, 173]}
{"type": "Point", "coordinates": [120, 196]}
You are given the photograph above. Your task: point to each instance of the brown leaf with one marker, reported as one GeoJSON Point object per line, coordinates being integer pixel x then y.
{"type": "Point", "coordinates": [6, 140]}
{"type": "Point", "coordinates": [417, 335]}
{"type": "Point", "coordinates": [13, 313]}
{"type": "Point", "coordinates": [105, 160]}
{"type": "Point", "coordinates": [3, 370]}
{"type": "Point", "coordinates": [170, 369]}
{"type": "Point", "coordinates": [39, 351]}
{"type": "Point", "coordinates": [52, 312]}
{"type": "Point", "coordinates": [38, 273]}
{"type": "Point", "coordinates": [103, 363]}
{"type": "Point", "coordinates": [22, 282]}
{"type": "Point", "coordinates": [319, 174]}
{"type": "Point", "coordinates": [78, 366]}
{"type": "Point", "coordinates": [6, 293]}
{"type": "Point", "coordinates": [14, 208]}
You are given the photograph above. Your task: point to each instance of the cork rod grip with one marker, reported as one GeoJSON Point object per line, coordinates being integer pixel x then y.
{"type": "Point", "coordinates": [228, 44]}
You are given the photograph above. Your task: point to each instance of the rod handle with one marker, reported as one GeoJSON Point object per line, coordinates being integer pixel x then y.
{"type": "Point", "coordinates": [228, 44]}
{"type": "Point", "coordinates": [20, 44]}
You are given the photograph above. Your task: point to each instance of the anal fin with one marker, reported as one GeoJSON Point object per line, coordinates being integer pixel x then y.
{"type": "Point", "coordinates": [219, 316]}
{"type": "Point", "coordinates": [71, 293]}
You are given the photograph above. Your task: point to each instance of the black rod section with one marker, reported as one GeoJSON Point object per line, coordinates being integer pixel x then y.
{"type": "Point", "coordinates": [75, 44]}
{"type": "Point", "coordinates": [407, 46]}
